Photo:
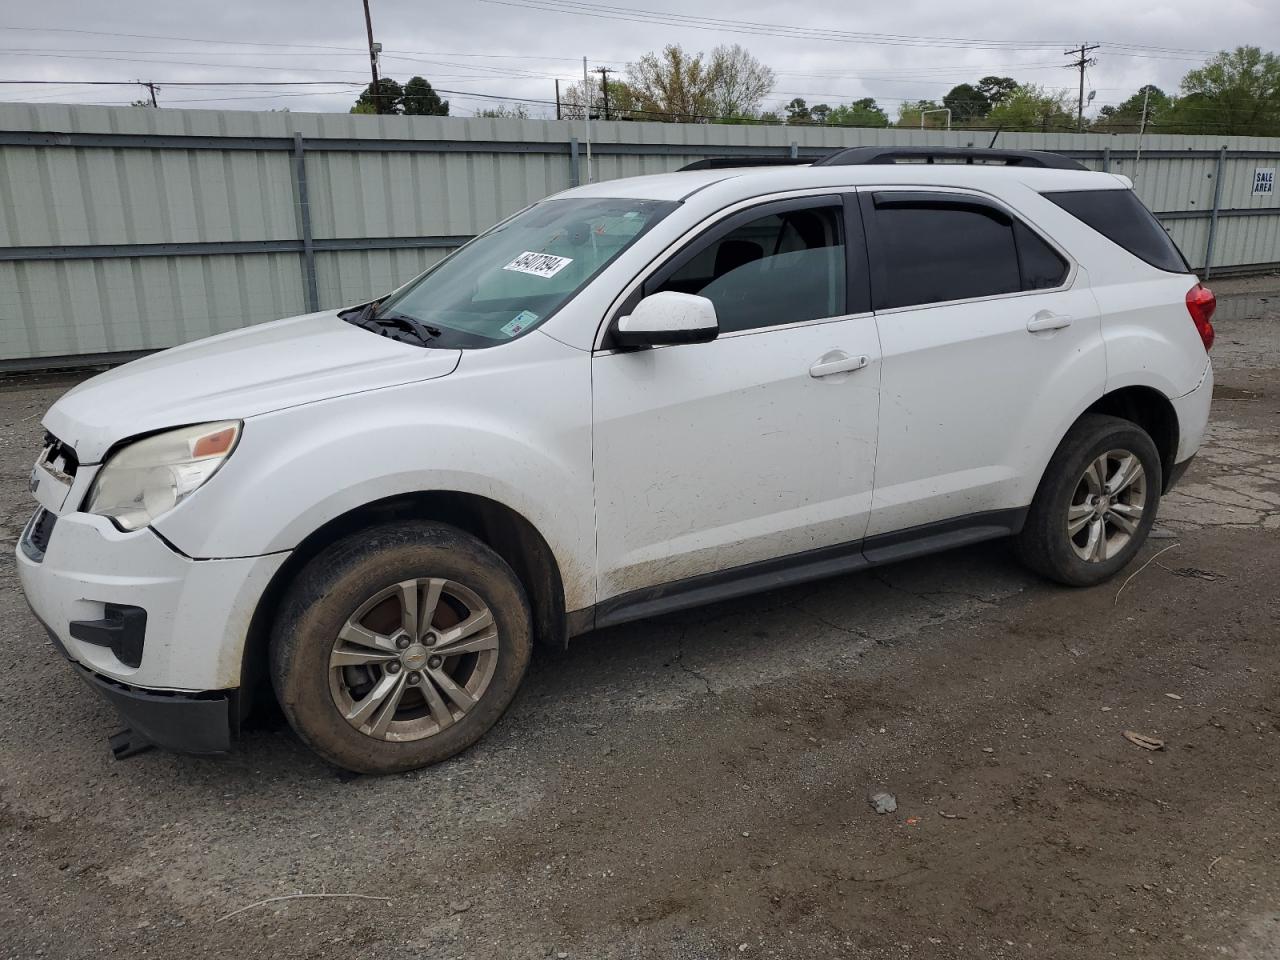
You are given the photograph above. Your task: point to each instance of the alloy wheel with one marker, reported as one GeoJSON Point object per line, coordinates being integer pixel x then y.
{"type": "Point", "coordinates": [413, 659]}
{"type": "Point", "coordinates": [1107, 506]}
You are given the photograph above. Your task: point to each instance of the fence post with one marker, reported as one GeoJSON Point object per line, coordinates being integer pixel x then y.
{"type": "Point", "coordinates": [575, 175]}
{"type": "Point", "coordinates": [1213, 218]}
{"type": "Point", "coordinates": [310, 287]}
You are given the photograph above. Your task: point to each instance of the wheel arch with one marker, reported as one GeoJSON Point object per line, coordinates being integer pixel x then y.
{"type": "Point", "coordinates": [1153, 412]}
{"type": "Point", "coordinates": [511, 535]}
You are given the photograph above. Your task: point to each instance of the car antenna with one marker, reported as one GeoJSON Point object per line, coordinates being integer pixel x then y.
{"type": "Point", "coordinates": [994, 135]}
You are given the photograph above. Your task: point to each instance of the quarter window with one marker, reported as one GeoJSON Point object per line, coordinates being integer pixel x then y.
{"type": "Point", "coordinates": [934, 251]}
{"type": "Point", "coordinates": [1042, 266]}
{"type": "Point", "coordinates": [786, 267]}
{"type": "Point", "coordinates": [1120, 217]}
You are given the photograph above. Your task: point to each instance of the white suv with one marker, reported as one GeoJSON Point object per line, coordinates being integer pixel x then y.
{"type": "Point", "coordinates": [633, 397]}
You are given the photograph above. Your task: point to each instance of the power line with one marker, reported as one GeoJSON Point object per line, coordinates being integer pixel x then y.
{"type": "Point", "coordinates": [664, 18]}
{"type": "Point", "coordinates": [192, 83]}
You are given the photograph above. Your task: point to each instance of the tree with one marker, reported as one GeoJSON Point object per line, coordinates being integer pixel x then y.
{"type": "Point", "coordinates": [386, 100]}
{"type": "Point", "coordinates": [505, 111]}
{"type": "Point", "coordinates": [1031, 107]}
{"type": "Point", "coordinates": [622, 102]}
{"type": "Point", "coordinates": [1126, 117]}
{"type": "Point", "coordinates": [820, 112]}
{"type": "Point", "coordinates": [798, 111]}
{"type": "Point", "coordinates": [911, 112]}
{"type": "Point", "coordinates": [996, 89]}
{"type": "Point", "coordinates": [675, 85]}
{"type": "Point", "coordinates": [967, 104]}
{"type": "Point", "coordinates": [861, 113]}
{"type": "Point", "coordinates": [1234, 93]}
{"type": "Point", "coordinates": [421, 100]}
{"type": "Point", "coordinates": [739, 82]}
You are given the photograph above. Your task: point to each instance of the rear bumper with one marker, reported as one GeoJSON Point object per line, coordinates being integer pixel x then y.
{"type": "Point", "coordinates": [1193, 416]}
{"type": "Point", "coordinates": [1176, 474]}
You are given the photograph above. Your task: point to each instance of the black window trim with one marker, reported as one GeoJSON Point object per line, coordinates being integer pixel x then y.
{"type": "Point", "coordinates": [713, 227]}
{"type": "Point", "coordinates": [958, 197]}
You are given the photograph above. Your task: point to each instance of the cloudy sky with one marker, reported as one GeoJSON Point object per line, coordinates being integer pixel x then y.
{"type": "Point", "coordinates": [254, 54]}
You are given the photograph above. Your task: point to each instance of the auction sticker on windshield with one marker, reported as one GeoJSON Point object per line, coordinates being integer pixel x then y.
{"type": "Point", "coordinates": [522, 320]}
{"type": "Point", "coordinates": [544, 265]}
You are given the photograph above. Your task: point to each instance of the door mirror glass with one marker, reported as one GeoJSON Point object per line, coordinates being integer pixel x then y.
{"type": "Point", "coordinates": [666, 318]}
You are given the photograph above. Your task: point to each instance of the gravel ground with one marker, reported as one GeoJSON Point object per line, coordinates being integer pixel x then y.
{"type": "Point", "coordinates": [696, 785]}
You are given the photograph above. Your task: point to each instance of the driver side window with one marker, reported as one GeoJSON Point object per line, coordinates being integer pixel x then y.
{"type": "Point", "coordinates": [786, 267]}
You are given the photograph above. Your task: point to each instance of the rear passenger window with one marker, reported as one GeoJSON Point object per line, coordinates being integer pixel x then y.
{"type": "Point", "coordinates": [1120, 217]}
{"type": "Point", "coordinates": [937, 250]}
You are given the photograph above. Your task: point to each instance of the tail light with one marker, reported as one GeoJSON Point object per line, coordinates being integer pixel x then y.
{"type": "Point", "coordinates": [1200, 304]}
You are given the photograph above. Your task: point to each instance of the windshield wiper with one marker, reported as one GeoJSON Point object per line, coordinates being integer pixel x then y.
{"type": "Point", "coordinates": [367, 317]}
{"type": "Point", "coordinates": [423, 331]}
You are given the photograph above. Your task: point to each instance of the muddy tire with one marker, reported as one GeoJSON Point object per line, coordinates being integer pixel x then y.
{"type": "Point", "coordinates": [1096, 503]}
{"type": "Point", "coordinates": [399, 646]}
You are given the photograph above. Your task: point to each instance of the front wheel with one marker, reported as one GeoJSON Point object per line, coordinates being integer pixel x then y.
{"type": "Point", "coordinates": [1096, 502]}
{"type": "Point", "coordinates": [400, 646]}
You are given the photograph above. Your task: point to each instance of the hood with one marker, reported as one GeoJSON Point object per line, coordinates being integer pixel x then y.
{"type": "Point", "coordinates": [237, 375]}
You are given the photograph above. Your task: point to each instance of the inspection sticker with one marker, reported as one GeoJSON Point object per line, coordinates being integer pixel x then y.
{"type": "Point", "coordinates": [521, 321]}
{"type": "Point", "coordinates": [544, 265]}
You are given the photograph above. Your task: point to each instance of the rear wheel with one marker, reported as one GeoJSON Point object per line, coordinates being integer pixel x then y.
{"type": "Point", "coordinates": [400, 646]}
{"type": "Point", "coordinates": [1096, 502]}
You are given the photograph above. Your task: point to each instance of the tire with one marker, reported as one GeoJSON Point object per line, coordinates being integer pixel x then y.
{"type": "Point", "coordinates": [1069, 495]}
{"type": "Point", "coordinates": [406, 701]}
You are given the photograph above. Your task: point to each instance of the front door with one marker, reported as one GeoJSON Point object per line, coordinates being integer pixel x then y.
{"type": "Point", "coordinates": [761, 443]}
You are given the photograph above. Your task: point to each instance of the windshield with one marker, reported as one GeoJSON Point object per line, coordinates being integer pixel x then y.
{"type": "Point", "coordinates": [513, 278]}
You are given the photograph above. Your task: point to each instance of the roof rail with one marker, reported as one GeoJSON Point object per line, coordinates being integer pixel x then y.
{"type": "Point", "coordinates": [725, 163]}
{"type": "Point", "coordinates": [856, 156]}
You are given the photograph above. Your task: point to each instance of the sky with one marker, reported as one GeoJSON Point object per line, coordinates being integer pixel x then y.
{"type": "Point", "coordinates": [312, 56]}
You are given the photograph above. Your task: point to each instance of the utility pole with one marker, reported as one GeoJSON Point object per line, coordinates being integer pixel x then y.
{"type": "Point", "coordinates": [1084, 61]}
{"type": "Point", "coordinates": [558, 117]}
{"type": "Point", "coordinates": [586, 91]}
{"type": "Point", "coordinates": [376, 89]}
{"type": "Point", "coordinates": [152, 89]}
{"type": "Point", "coordinates": [604, 87]}
{"type": "Point", "coordinates": [1142, 128]}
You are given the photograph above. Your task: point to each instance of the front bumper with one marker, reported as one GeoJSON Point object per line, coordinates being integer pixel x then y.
{"type": "Point", "coordinates": [177, 687]}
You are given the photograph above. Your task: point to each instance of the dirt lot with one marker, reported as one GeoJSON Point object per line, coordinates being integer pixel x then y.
{"type": "Point", "coordinates": [696, 786]}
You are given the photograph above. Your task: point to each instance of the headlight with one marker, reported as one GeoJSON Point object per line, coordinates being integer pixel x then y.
{"type": "Point", "coordinates": [148, 478]}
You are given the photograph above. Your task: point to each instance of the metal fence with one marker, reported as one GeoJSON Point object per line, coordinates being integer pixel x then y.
{"type": "Point", "coordinates": [124, 230]}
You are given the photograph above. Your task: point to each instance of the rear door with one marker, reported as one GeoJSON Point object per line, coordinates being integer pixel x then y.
{"type": "Point", "coordinates": [991, 342]}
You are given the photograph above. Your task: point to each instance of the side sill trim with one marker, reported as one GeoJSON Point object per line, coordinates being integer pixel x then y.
{"type": "Point", "coordinates": [798, 568]}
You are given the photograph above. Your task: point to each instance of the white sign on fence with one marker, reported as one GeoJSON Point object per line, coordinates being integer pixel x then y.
{"type": "Point", "coordinates": [1264, 180]}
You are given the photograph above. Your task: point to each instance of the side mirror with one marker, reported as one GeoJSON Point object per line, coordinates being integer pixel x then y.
{"type": "Point", "coordinates": [666, 318]}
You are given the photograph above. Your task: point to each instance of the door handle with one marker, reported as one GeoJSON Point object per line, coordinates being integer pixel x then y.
{"type": "Point", "coordinates": [1043, 320]}
{"type": "Point", "coordinates": [837, 362]}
